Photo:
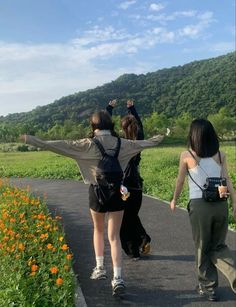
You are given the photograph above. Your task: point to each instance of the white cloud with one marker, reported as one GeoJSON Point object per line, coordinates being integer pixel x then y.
{"type": "Point", "coordinates": [194, 30]}
{"type": "Point", "coordinates": [37, 74]}
{"type": "Point", "coordinates": [162, 35]}
{"type": "Point", "coordinates": [98, 34]}
{"type": "Point", "coordinates": [126, 4]}
{"type": "Point", "coordinates": [156, 7]}
{"type": "Point", "coordinates": [164, 18]}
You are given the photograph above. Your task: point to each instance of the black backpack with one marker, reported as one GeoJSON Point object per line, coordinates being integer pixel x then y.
{"type": "Point", "coordinates": [109, 174]}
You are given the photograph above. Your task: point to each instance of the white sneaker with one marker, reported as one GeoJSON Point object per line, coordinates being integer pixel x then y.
{"type": "Point", "coordinates": [118, 286]}
{"type": "Point", "coordinates": [98, 273]}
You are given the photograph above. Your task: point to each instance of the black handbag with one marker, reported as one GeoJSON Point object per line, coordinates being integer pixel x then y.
{"type": "Point", "coordinates": [210, 192]}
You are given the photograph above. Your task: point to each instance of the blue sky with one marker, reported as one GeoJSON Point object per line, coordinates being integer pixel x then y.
{"type": "Point", "coordinates": [53, 48]}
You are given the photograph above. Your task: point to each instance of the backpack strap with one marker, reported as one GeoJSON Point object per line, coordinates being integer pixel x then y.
{"type": "Point", "coordinates": [197, 162]}
{"type": "Point", "coordinates": [100, 147]}
{"type": "Point", "coordinates": [102, 150]}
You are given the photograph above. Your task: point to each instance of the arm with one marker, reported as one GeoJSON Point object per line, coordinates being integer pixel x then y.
{"type": "Point", "coordinates": [132, 110]}
{"type": "Point", "coordinates": [179, 181]}
{"type": "Point", "coordinates": [72, 149]}
{"type": "Point", "coordinates": [111, 106]}
{"type": "Point", "coordinates": [130, 148]}
{"type": "Point", "coordinates": [229, 183]}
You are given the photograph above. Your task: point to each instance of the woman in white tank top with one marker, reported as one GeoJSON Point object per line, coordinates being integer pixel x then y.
{"type": "Point", "coordinates": [209, 221]}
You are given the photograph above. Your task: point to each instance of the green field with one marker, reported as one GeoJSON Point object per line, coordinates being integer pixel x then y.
{"type": "Point", "coordinates": [159, 169]}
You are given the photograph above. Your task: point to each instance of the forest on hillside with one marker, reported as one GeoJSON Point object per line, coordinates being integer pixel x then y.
{"type": "Point", "coordinates": [198, 89]}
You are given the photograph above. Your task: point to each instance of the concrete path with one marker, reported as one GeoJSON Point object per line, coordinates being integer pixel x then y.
{"type": "Point", "coordinates": [165, 278]}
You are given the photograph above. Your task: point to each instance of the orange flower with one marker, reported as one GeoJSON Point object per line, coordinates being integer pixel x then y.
{"type": "Point", "coordinates": [22, 215]}
{"type": "Point", "coordinates": [59, 281]}
{"type": "Point", "coordinates": [44, 236]}
{"type": "Point", "coordinates": [21, 246]}
{"type": "Point", "coordinates": [49, 246]}
{"type": "Point", "coordinates": [64, 247]}
{"type": "Point", "coordinates": [69, 256]}
{"type": "Point", "coordinates": [54, 270]}
{"type": "Point", "coordinates": [34, 267]}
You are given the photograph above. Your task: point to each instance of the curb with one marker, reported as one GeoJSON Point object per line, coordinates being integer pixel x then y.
{"type": "Point", "coordinates": [79, 297]}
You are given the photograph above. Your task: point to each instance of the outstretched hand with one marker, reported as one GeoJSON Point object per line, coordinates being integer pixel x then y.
{"type": "Point", "coordinates": [130, 103]}
{"type": "Point", "coordinates": [113, 103]}
{"type": "Point", "coordinates": [157, 138]}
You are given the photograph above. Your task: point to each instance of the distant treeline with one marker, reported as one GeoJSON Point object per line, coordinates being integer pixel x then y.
{"type": "Point", "coordinates": [200, 88]}
{"type": "Point", "coordinates": [156, 123]}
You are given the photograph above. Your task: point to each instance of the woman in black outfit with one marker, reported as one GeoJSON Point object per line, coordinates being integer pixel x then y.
{"type": "Point", "coordinates": [134, 239]}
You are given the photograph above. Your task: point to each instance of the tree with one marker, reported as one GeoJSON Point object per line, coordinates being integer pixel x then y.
{"type": "Point", "coordinates": [182, 124]}
{"type": "Point", "coordinates": [156, 123]}
{"type": "Point", "coordinates": [224, 124]}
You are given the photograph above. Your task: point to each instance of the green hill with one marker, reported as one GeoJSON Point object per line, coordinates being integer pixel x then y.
{"type": "Point", "coordinates": [200, 88]}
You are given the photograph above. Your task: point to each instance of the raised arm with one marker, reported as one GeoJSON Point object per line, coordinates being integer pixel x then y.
{"type": "Point", "coordinates": [132, 110]}
{"type": "Point", "coordinates": [111, 106]}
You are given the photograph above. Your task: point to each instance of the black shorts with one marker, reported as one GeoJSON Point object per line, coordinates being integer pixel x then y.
{"type": "Point", "coordinates": [116, 203]}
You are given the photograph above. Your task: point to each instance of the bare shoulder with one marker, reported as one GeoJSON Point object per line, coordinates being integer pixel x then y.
{"type": "Point", "coordinates": [184, 155]}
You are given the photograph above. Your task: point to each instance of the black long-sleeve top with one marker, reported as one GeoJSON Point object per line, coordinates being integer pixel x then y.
{"type": "Point", "coordinates": [132, 175]}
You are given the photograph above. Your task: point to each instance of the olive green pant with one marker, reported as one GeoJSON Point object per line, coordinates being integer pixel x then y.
{"type": "Point", "coordinates": [209, 221]}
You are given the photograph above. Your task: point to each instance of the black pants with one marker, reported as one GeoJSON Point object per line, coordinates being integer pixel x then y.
{"type": "Point", "coordinates": [132, 231]}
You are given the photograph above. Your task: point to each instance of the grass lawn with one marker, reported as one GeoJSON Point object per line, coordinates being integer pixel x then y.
{"type": "Point", "coordinates": [159, 168]}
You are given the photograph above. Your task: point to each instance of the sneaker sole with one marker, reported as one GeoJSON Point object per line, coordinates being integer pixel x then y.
{"type": "Point", "coordinates": [146, 249]}
{"type": "Point", "coordinates": [118, 291]}
{"type": "Point", "coordinates": [205, 295]}
{"type": "Point", "coordinates": [99, 278]}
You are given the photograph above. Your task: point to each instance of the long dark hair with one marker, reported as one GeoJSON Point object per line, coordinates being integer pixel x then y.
{"type": "Point", "coordinates": [130, 127]}
{"type": "Point", "coordinates": [202, 138]}
{"type": "Point", "coordinates": [102, 120]}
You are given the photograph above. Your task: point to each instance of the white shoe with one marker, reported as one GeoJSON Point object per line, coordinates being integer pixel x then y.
{"type": "Point", "coordinates": [98, 273]}
{"type": "Point", "coordinates": [118, 286]}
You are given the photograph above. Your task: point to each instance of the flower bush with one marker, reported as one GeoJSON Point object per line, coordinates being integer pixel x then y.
{"type": "Point", "coordinates": [36, 263]}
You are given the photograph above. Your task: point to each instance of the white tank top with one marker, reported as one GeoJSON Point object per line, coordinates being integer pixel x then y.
{"type": "Point", "coordinates": [211, 169]}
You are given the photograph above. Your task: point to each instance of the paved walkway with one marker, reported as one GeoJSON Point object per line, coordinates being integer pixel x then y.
{"type": "Point", "coordinates": [165, 278]}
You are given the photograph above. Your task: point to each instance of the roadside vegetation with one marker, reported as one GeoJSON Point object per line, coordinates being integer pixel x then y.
{"type": "Point", "coordinates": [36, 263]}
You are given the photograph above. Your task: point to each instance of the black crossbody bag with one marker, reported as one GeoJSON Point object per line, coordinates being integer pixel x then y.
{"type": "Point", "coordinates": [210, 192]}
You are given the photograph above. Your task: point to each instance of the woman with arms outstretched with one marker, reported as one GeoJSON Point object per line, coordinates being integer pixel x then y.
{"type": "Point", "coordinates": [87, 155]}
